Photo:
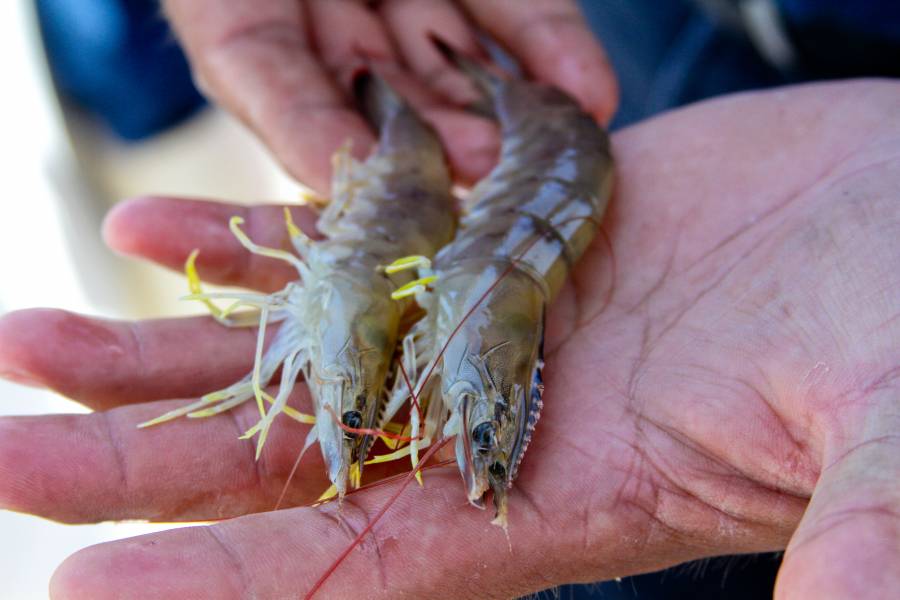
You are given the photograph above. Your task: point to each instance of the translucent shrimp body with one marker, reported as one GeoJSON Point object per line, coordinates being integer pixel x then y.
{"type": "Point", "coordinates": [530, 220]}
{"type": "Point", "coordinates": [339, 326]}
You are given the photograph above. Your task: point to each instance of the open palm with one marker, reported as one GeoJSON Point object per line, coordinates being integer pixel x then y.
{"type": "Point", "coordinates": [727, 382]}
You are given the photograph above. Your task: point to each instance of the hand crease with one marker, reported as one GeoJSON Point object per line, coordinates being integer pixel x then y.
{"type": "Point", "coordinates": [236, 561]}
{"type": "Point", "coordinates": [118, 455]}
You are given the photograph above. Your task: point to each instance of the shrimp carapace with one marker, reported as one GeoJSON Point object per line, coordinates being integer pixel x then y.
{"type": "Point", "coordinates": [338, 324]}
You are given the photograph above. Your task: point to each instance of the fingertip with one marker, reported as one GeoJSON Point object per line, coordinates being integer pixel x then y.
{"type": "Point", "coordinates": [72, 581]}
{"type": "Point", "coordinates": [596, 89]}
{"type": "Point", "coordinates": [307, 142]}
{"type": "Point", "coordinates": [61, 351]}
{"type": "Point", "coordinates": [555, 45]}
{"type": "Point", "coordinates": [576, 62]}
{"type": "Point", "coordinates": [147, 566]}
{"type": "Point", "coordinates": [109, 571]}
{"type": "Point", "coordinates": [145, 226]}
{"type": "Point", "coordinates": [120, 224]}
{"type": "Point", "coordinates": [166, 230]}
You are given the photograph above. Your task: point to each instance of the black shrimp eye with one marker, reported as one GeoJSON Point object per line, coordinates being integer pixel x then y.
{"type": "Point", "coordinates": [353, 419]}
{"type": "Point", "coordinates": [498, 471]}
{"type": "Point", "coordinates": [483, 436]}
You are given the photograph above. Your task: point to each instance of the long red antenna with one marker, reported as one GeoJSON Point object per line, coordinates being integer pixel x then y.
{"type": "Point", "coordinates": [434, 448]}
{"type": "Point", "coordinates": [362, 534]}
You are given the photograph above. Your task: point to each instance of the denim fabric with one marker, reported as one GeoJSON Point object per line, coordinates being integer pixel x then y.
{"type": "Point", "coordinates": [879, 18]}
{"type": "Point", "coordinates": [750, 577]}
{"type": "Point", "coordinates": [118, 60]}
{"type": "Point", "coordinates": [667, 53]}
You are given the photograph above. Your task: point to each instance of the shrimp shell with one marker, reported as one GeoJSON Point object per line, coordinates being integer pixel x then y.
{"type": "Point", "coordinates": [530, 220]}
{"type": "Point", "coordinates": [339, 326]}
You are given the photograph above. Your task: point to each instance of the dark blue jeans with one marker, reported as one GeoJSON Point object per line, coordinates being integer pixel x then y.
{"type": "Point", "coordinates": [667, 53]}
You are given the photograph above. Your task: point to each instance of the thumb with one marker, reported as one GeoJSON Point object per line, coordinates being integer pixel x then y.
{"type": "Point", "coordinates": [848, 543]}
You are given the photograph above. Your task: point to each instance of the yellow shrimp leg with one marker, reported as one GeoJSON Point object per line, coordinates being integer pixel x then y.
{"type": "Point", "coordinates": [327, 494]}
{"type": "Point", "coordinates": [257, 361]}
{"type": "Point", "coordinates": [310, 198]}
{"type": "Point", "coordinates": [422, 265]}
{"type": "Point", "coordinates": [413, 287]}
{"type": "Point", "coordinates": [298, 416]}
{"type": "Point", "coordinates": [190, 270]}
{"type": "Point", "coordinates": [414, 261]}
{"type": "Point", "coordinates": [291, 412]}
{"type": "Point", "coordinates": [190, 408]}
{"type": "Point", "coordinates": [223, 316]}
{"type": "Point", "coordinates": [395, 455]}
{"type": "Point", "coordinates": [234, 225]}
{"type": "Point", "coordinates": [396, 429]}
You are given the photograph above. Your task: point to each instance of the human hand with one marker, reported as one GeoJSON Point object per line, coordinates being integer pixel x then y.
{"type": "Point", "coordinates": [284, 67]}
{"type": "Point", "coordinates": [737, 392]}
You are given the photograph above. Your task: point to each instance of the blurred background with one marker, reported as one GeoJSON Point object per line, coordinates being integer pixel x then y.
{"type": "Point", "coordinates": [99, 106]}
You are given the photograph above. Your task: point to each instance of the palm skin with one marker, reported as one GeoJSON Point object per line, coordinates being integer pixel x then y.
{"type": "Point", "coordinates": [735, 392]}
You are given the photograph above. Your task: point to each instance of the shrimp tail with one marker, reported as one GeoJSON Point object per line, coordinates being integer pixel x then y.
{"type": "Point", "coordinates": [484, 80]}
{"type": "Point", "coordinates": [378, 102]}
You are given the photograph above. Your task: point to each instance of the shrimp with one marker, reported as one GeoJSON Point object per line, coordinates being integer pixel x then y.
{"type": "Point", "coordinates": [478, 353]}
{"type": "Point", "coordinates": [339, 326]}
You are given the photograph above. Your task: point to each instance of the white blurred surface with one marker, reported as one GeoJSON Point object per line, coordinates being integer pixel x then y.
{"type": "Point", "coordinates": [51, 253]}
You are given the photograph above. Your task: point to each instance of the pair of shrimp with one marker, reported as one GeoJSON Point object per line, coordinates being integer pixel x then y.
{"type": "Point", "coordinates": [338, 323]}
{"type": "Point", "coordinates": [471, 367]}
{"type": "Point", "coordinates": [474, 361]}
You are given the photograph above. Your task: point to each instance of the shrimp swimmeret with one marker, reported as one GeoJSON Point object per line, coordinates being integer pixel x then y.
{"type": "Point", "coordinates": [338, 324]}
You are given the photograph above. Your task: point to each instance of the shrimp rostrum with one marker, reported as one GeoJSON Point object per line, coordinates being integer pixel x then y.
{"type": "Point", "coordinates": [477, 355]}
{"type": "Point", "coordinates": [338, 323]}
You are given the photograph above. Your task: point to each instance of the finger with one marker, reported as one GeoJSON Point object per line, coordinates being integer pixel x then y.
{"type": "Point", "coordinates": [348, 33]}
{"type": "Point", "coordinates": [167, 230]}
{"type": "Point", "coordinates": [255, 59]}
{"type": "Point", "coordinates": [188, 469]}
{"type": "Point", "coordinates": [472, 144]}
{"type": "Point", "coordinates": [429, 545]}
{"type": "Point", "coordinates": [555, 45]}
{"type": "Point", "coordinates": [848, 542]}
{"type": "Point", "coordinates": [103, 363]}
{"type": "Point", "coordinates": [411, 22]}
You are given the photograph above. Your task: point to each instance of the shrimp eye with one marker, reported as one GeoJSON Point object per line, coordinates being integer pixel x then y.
{"type": "Point", "coordinates": [352, 419]}
{"type": "Point", "coordinates": [498, 471]}
{"type": "Point", "coordinates": [483, 436]}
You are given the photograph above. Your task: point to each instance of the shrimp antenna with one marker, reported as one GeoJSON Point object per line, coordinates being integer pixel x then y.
{"type": "Point", "coordinates": [484, 79]}
{"type": "Point", "coordinates": [434, 447]}
{"type": "Point", "coordinates": [381, 512]}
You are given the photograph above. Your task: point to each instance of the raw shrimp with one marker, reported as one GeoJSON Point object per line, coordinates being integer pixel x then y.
{"type": "Point", "coordinates": [477, 355]}
{"type": "Point", "coordinates": [339, 326]}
